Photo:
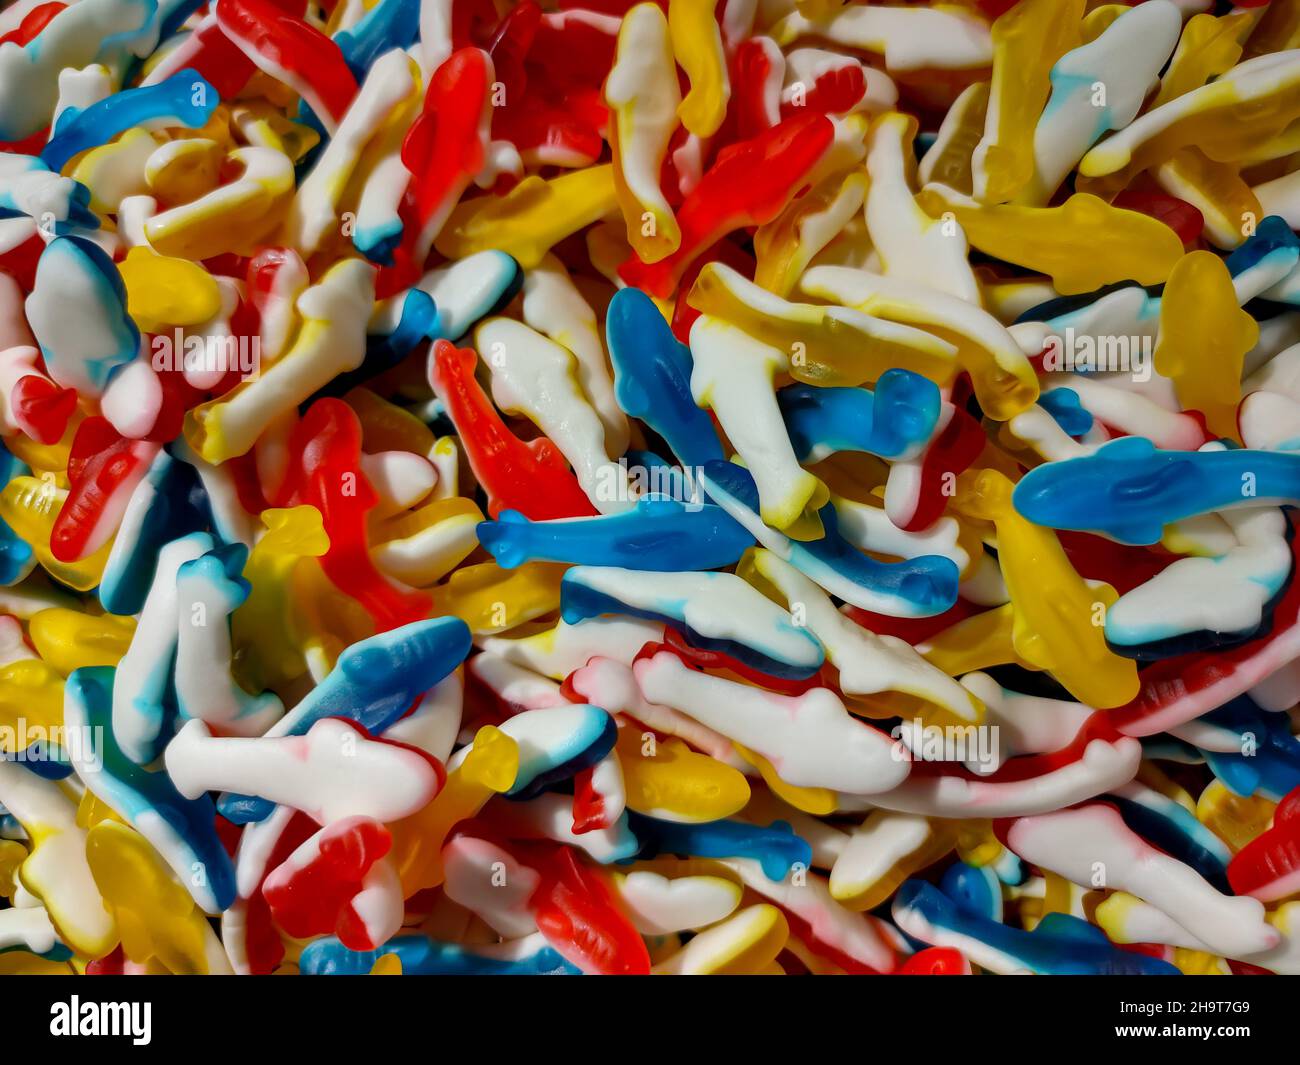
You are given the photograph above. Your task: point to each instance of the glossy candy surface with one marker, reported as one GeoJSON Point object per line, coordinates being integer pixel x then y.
{"type": "Point", "coordinates": [666, 488]}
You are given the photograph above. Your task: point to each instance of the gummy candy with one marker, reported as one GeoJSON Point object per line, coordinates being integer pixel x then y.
{"type": "Point", "coordinates": [649, 488]}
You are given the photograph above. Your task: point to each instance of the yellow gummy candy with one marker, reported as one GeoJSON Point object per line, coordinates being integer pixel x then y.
{"type": "Point", "coordinates": [786, 245]}
{"type": "Point", "coordinates": [818, 9]}
{"type": "Point", "coordinates": [1059, 621]}
{"type": "Point", "coordinates": [155, 915]}
{"type": "Point", "coordinates": [1004, 380]}
{"type": "Point", "coordinates": [1122, 245]}
{"type": "Point", "coordinates": [420, 547]}
{"type": "Point", "coordinates": [1226, 119]}
{"type": "Point", "coordinates": [49, 460]}
{"type": "Point", "coordinates": [387, 427]}
{"type": "Point", "coordinates": [265, 127]}
{"type": "Point", "coordinates": [116, 170]}
{"type": "Point", "coordinates": [826, 345]}
{"type": "Point", "coordinates": [1099, 20]}
{"type": "Point", "coordinates": [491, 599]}
{"type": "Point", "coordinates": [1208, 47]}
{"type": "Point", "coordinates": [31, 698]}
{"type": "Point", "coordinates": [56, 871]}
{"type": "Point", "coordinates": [1277, 30]}
{"type": "Point", "coordinates": [697, 44]}
{"type": "Point", "coordinates": [976, 843]}
{"type": "Point", "coordinates": [21, 963]}
{"type": "Point", "coordinates": [181, 171]}
{"type": "Point", "coordinates": [231, 218]}
{"type": "Point", "coordinates": [935, 839]}
{"type": "Point", "coordinates": [948, 160]}
{"type": "Point", "coordinates": [977, 642]}
{"type": "Point", "coordinates": [1199, 963]}
{"type": "Point", "coordinates": [643, 97]}
{"type": "Point", "coordinates": [1060, 896]}
{"type": "Point", "coordinates": [1027, 40]}
{"type": "Point", "coordinates": [490, 768]}
{"type": "Point", "coordinates": [264, 653]}
{"type": "Point", "coordinates": [1204, 337]}
{"type": "Point", "coordinates": [217, 127]}
{"type": "Point", "coordinates": [325, 621]}
{"type": "Point", "coordinates": [746, 943]}
{"type": "Point", "coordinates": [30, 506]}
{"type": "Point", "coordinates": [12, 855]}
{"type": "Point", "coordinates": [69, 639]}
{"type": "Point", "coordinates": [734, 375]}
{"type": "Point", "coordinates": [668, 780]}
{"type": "Point", "coordinates": [532, 217]}
{"type": "Point", "coordinates": [91, 810]}
{"type": "Point", "coordinates": [387, 965]}
{"type": "Point", "coordinates": [330, 341]}
{"type": "Point", "coordinates": [1216, 189]}
{"type": "Point", "coordinates": [820, 802]}
{"type": "Point", "coordinates": [1235, 819]}
{"type": "Point", "coordinates": [162, 292]}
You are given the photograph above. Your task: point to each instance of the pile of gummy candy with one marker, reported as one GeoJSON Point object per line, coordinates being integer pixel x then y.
{"type": "Point", "coordinates": [742, 487]}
